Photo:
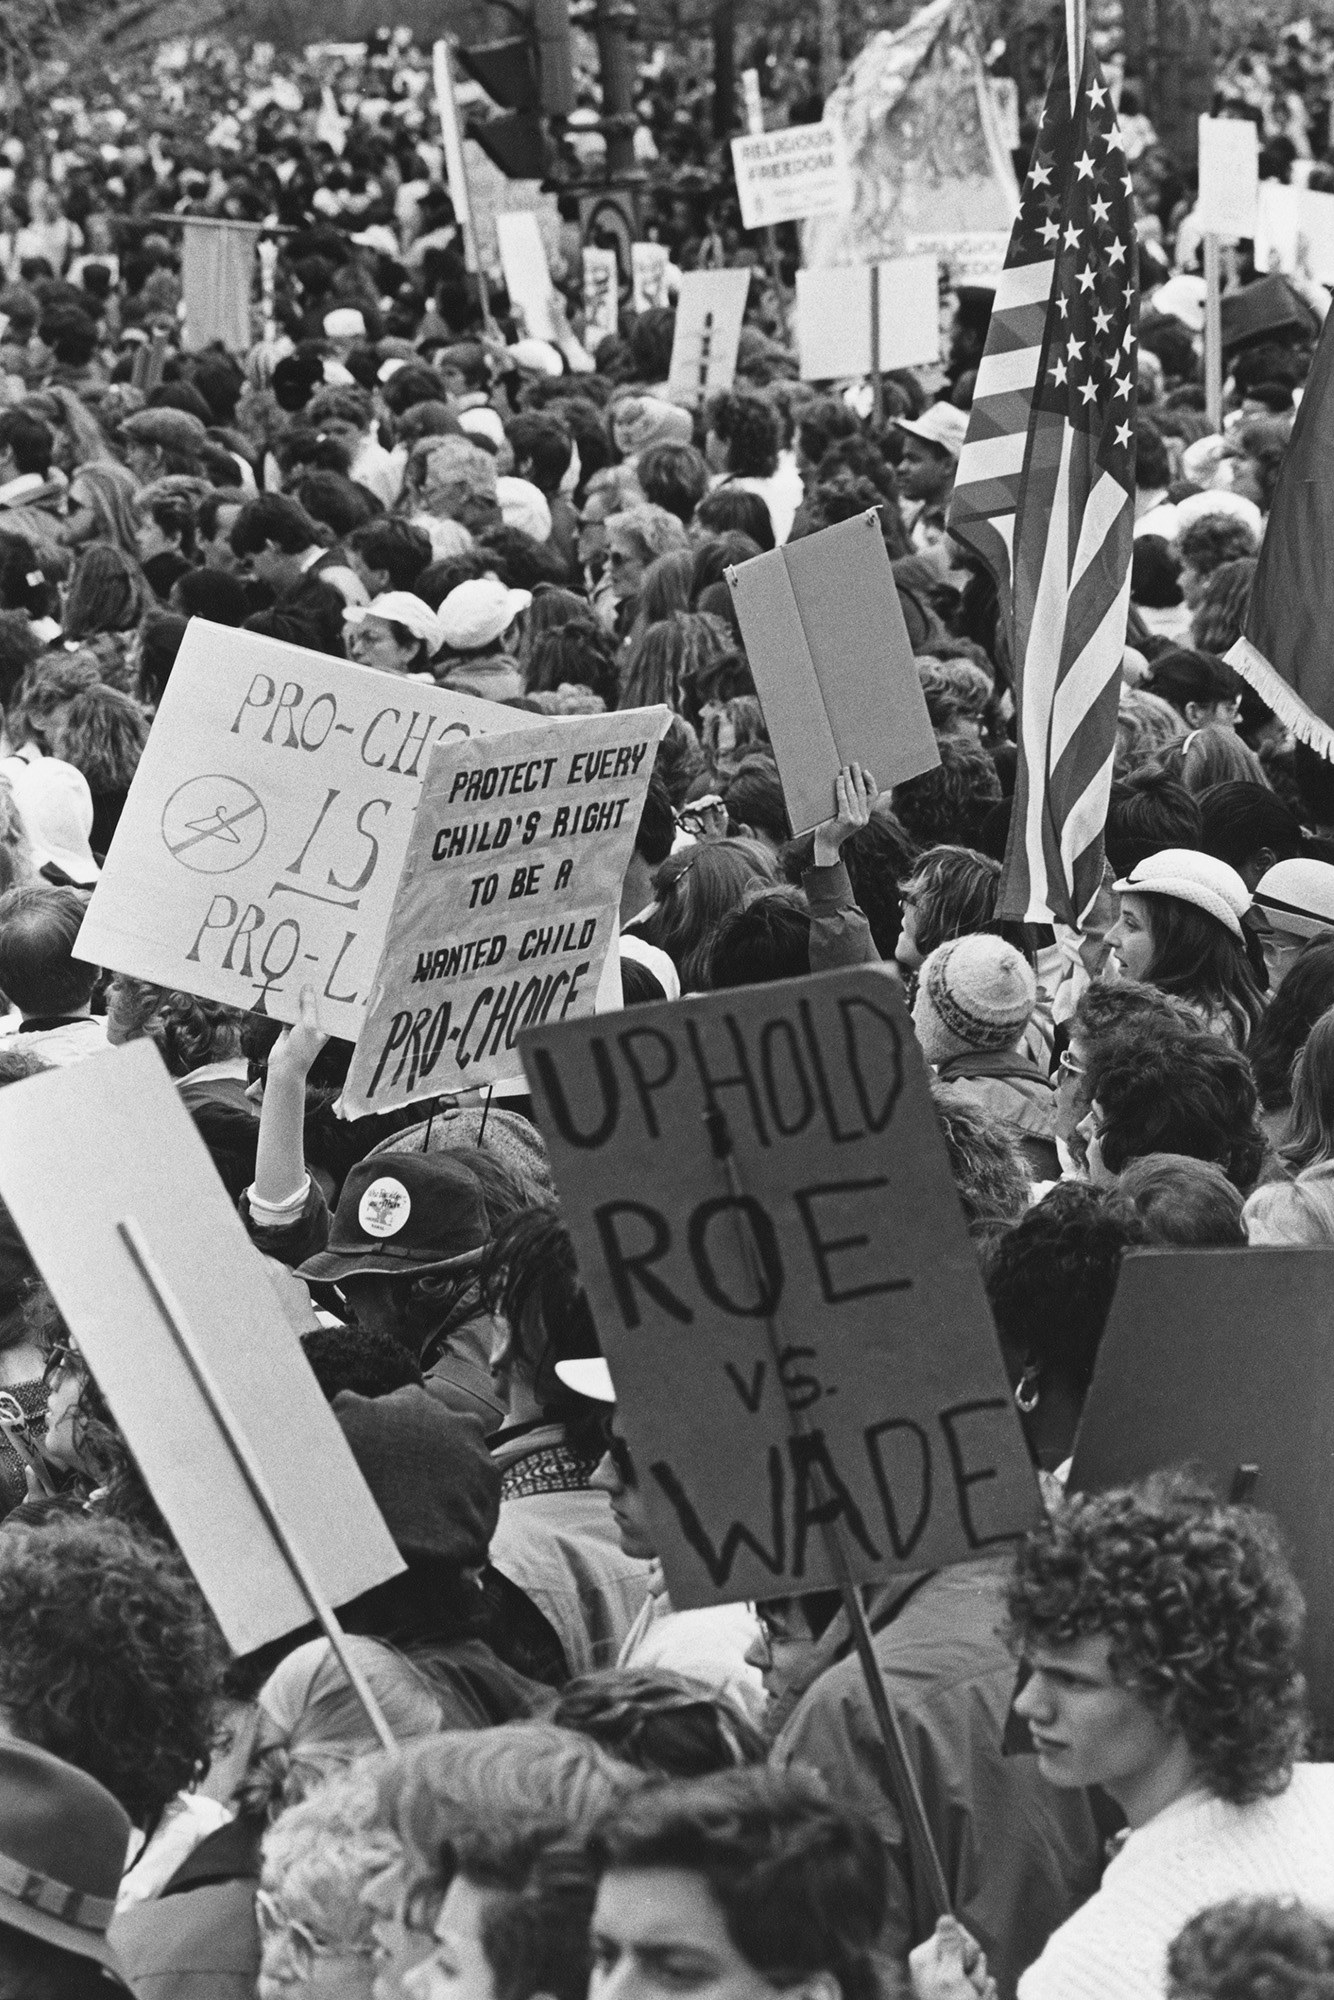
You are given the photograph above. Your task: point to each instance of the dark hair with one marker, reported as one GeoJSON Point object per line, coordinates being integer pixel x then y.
{"type": "Point", "coordinates": [338, 501]}
{"type": "Point", "coordinates": [39, 973]}
{"type": "Point", "coordinates": [821, 422]}
{"type": "Point", "coordinates": [397, 547]}
{"type": "Point", "coordinates": [47, 688]}
{"type": "Point", "coordinates": [1152, 467]}
{"type": "Point", "coordinates": [1253, 1948]}
{"type": "Point", "coordinates": [543, 441]}
{"type": "Point", "coordinates": [696, 888]}
{"type": "Point", "coordinates": [366, 1361]}
{"type": "Point", "coordinates": [32, 1969]}
{"type": "Point", "coordinates": [754, 798]}
{"type": "Point", "coordinates": [580, 653]}
{"type": "Point", "coordinates": [528, 1277]}
{"type": "Point", "coordinates": [211, 594]}
{"type": "Point", "coordinates": [212, 504]}
{"type": "Point", "coordinates": [1202, 1612]}
{"type": "Point", "coordinates": [1238, 820]}
{"type": "Point", "coordinates": [189, 1032]}
{"type": "Point", "coordinates": [1185, 1203]}
{"type": "Point", "coordinates": [1145, 813]}
{"type": "Point", "coordinates": [765, 938]}
{"type": "Point", "coordinates": [954, 890]}
{"type": "Point", "coordinates": [663, 1723]}
{"type": "Point", "coordinates": [674, 476]}
{"type": "Point", "coordinates": [31, 440]}
{"type": "Point", "coordinates": [1217, 623]}
{"type": "Point", "coordinates": [668, 654]}
{"type": "Point", "coordinates": [274, 518]}
{"type": "Point", "coordinates": [519, 561]}
{"type": "Point", "coordinates": [800, 1879]}
{"type": "Point", "coordinates": [949, 803]}
{"type": "Point", "coordinates": [110, 1658]}
{"type": "Point", "coordinates": [1155, 573]}
{"type": "Point", "coordinates": [1198, 958]}
{"type": "Point", "coordinates": [1213, 540]}
{"type": "Point", "coordinates": [1051, 1280]}
{"type": "Point", "coordinates": [19, 648]}
{"type": "Point", "coordinates": [1180, 676]}
{"type": "Point", "coordinates": [25, 576]}
{"type": "Point", "coordinates": [1109, 1005]}
{"type": "Point", "coordinates": [738, 509]}
{"type": "Point", "coordinates": [748, 425]}
{"type": "Point", "coordinates": [1167, 1092]}
{"type": "Point", "coordinates": [159, 643]}
{"type": "Point", "coordinates": [1304, 993]}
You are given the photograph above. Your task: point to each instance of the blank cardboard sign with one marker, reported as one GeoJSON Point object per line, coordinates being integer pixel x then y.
{"type": "Point", "coordinates": [798, 1332]}
{"type": "Point", "coordinates": [834, 317]}
{"type": "Point", "coordinates": [833, 664]}
{"type": "Point", "coordinates": [83, 1149]}
{"type": "Point", "coordinates": [1224, 1359]}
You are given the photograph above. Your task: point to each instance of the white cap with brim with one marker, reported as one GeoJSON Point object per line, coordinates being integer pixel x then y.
{"type": "Point", "coordinates": [1188, 876]}
{"type": "Point", "coordinates": [475, 613]}
{"type": "Point", "coordinates": [56, 807]}
{"type": "Point", "coordinates": [345, 323]}
{"type": "Point", "coordinates": [1298, 896]}
{"type": "Point", "coordinates": [590, 1378]}
{"type": "Point", "coordinates": [400, 607]}
{"type": "Point", "coordinates": [940, 424]}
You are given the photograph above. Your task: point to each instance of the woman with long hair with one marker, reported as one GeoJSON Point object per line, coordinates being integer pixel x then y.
{"type": "Point", "coordinates": [668, 652]}
{"type": "Point", "coordinates": [1303, 994]}
{"type": "Point", "coordinates": [693, 890]}
{"type": "Point", "coordinates": [102, 507]}
{"type": "Point", "coordinates": [1180, 929]}
{"type": "Point", "coordinates": [1310, 1140]}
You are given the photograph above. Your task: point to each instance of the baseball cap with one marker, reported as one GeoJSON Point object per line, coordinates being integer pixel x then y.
{"type": "Point", "coordinates": [400, 1214]}
{"type": "Point", "coordinates": [63, 1840]}
{"type": "Point", "coordinates": [1189, 876]}
{"type": "Point", "coordinates": [590, 1377]}
{"type": "Point", "coordinates": [1297, 896]}
{"type": "Point", "coordinates": [56, 807]}
{"type": "Point", "coordinates": [400, 607]}
{"type": "Point", "coordinates": [475, 613]}
{"type": "Point", "coordinates": [940, 424]}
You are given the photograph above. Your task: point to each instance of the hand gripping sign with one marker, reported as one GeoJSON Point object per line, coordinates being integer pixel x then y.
{"type": "Point", "coordinates": [264, 833]}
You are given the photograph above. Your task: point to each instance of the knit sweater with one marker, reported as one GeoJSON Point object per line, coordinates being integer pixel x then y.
{"type": "Point", "coordinates": [1197, 1852]}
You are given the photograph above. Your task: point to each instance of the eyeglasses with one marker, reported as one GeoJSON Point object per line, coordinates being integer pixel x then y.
{"type": "Point", "coordinates": [61, 1359]}
{"type": "Point", "coordinates": [618, 1451]}
{"type": "Point", "coordinates": [1070, 1066]}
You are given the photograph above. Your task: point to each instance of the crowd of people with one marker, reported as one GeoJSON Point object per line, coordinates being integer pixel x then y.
{"type": "Point", "coordinates": [595, 1793]}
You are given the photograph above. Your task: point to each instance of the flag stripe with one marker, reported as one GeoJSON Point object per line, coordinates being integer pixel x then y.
{"type": "Point", "coordinates": [991, 458]}
{"type": "Point", "coordinates": [1024, 285]}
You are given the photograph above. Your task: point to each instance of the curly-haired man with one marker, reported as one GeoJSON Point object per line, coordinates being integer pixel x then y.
{"type": "Point", "coordinates": [1160, 1630]}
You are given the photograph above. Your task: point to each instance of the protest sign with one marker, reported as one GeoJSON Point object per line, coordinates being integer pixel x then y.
{"type": "Point", "coordinates": [111, 1134]}
{"type": "Point", "coordinates": [1223, 1360]}
{"type": "Point", "coordinates": [1229, 176]}
{"type": "Point", "coordinates": [523, 259]}
{"type": "Point", "coordinates": [833, 665]}
{"type": "Point", "coordinates": [709, 309]}
{"type": "Point", "coordinates": [835, 316]}
{"type": "Point", "coordinates": [783, 1285]}
{"type": "Point", "coordinates": [1294, 232]}
{"type": "Point", "coordinates": [966, 256]}
{"type": "Point", "coordinates": [264, 832]}
{"type": "Point", "coordinates": [787, 175]}
{"type": "Point", "coordinates": [507, 904]}
{"type": "Point", "coordinates": [648, 272]}
{"type": "Point", "coordinates": [601, 296]}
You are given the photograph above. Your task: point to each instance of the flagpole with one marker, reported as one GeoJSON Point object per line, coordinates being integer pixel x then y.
{"type": "Point", "coordinates": [1076, 31]}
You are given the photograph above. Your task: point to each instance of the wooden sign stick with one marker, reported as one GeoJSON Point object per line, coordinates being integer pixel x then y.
{"type": "Point", "coordinates": [169, 1307]}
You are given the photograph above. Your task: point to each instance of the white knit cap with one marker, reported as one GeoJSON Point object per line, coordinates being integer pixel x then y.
{"type": "Point", "coordinates": [1191, 877]}
{"type": "Point", "coordinates": [974, 994]}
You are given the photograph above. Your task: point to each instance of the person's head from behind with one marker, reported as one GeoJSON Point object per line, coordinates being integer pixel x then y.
{"type": "Point", "coordinates": [1162, 1633]}
{"type": "Point", "coordinates": [743, 435]}
{"type": "Point", "coordinates": [27, 444]}
{"type": "Point", "coordinates": [1051, 1279]}
{"type": "Point", "coordinates": [39, 974]}
{"type": "Point", "coordinates": [1205, 545]}
{"type": "Point", "coordinates": [366, 1360]}
{"type": "Point", "coordinates": [756, 804]}
{"type": "Point", "coordinates": [736, 510]}
{"type": "Point", "coordinates": [110, 1658]}
{"type": "Point", "coordinates": [1183, 1203]}
{"type": "Point", "coordinates": [989, 1176]}
{"type": "Point", "coordinates": [675, 477]}
{"type": "Point", "coordinates": [752, 1882]}
{"type": "Point", "coordinates": [1253, 1948]}
{"type": "Point", "coordinates": [765, 938]}
{"type": "Point", "coordinates": [1299, 1211]}
{"type": "Point", "coordinates": [1146, 725]}
{"type": "Point", "coordinates": [951, 893]}
{"type": "Point", "coordinates": [1152, 1091]}
{"type": "Point", "coordinates": [949, 803]}
{"type": "Point", "coordinates": [1145, 813]}
{"type": "Point", "coordinates": [530, 1283]}
{"type": "Point", "coordinates": [663, 1723]}
{"type": "Point", "coordinates": [1247, 826]}
{"type": "Point", "coordinates": [107, 593]}
{"type": "Point", "coordinates": [271, 535]}
{"type": "Point", "coordinates": [695, 888]}
{"type": "Point", "coordinates": [1310, 1136]}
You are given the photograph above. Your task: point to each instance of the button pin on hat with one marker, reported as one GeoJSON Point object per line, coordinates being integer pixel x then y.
{"type": "Point", "coordinates": [384, 1207]}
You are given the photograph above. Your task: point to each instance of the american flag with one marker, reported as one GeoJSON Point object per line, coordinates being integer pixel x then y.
{"type": "Point", "coordinates": [1045, 491]}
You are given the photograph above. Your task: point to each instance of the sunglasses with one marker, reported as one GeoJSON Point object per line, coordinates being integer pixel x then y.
{"type": "Point", "coordinates": [618, 1451]}
{"type": "Point", "coordinates": [61, 1359]}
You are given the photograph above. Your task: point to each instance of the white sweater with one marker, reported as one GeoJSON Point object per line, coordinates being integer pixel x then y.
{"type": "Point", "coordinates": [1197, 1852]}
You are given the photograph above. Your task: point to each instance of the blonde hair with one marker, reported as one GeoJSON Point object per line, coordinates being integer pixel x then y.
{"type": "Point", "coordinates": [1145, 725]}
{"type": "Point", "coordinates": [318, 1857]}
{"type": "Point", "coordinates": [1300, 1211]}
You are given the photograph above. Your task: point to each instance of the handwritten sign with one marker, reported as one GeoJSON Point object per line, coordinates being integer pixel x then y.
{"type": "Point", "coordinates": [787, 175]}
{"type": "Point", "coordinates": [648, 271]}
{"type": "Point", "coordinates": [601, 296]}
{"type": "Point", "coordinates": [1229, 176]}
{"type": "Point", "coordinates": [834, 317]}
{"type": "Point", "coordinates": [833, 664]}
{"type": "Point", "coordinates": [709, 310]}
{"type": "Point", "coordinates": [797, 1331]}
{"type": "Point", "coordinates": [523, 259]}
{"type": "Point", "coordinates": [111, 1134]}
{"type": "Point", "coordinates": [267, 823]}
{"type": "Point", "coordinates": [507, 904]}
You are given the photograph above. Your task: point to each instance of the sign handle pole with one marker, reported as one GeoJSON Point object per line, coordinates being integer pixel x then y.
{"type": "Point", "coordinates": [906, 1787]}
{"type": "Point", "coordinates": [877, 380]}
{"type": "Point", "coordinates": [1213, 333]}
{"type": "Point", "coordinates": [456, 168]}
{"type": "Point", "coordinates": [132, 1236]}
{"type": "Point", "coordinates": [705, 348]}
{"type": "Point", "coordinates": [771, 258]}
